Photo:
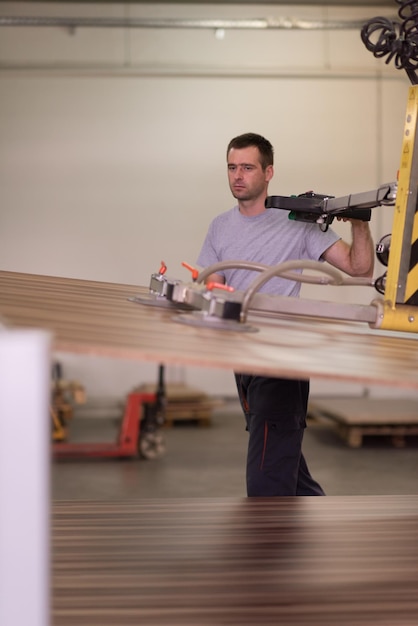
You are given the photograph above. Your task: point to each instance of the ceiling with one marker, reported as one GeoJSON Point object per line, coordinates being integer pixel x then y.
{"type": "Point", "coordinates": [352, 3]}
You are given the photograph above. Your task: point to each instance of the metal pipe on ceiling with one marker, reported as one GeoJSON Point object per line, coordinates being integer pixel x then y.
{"type": "Point", "coordinates": [267, 23]}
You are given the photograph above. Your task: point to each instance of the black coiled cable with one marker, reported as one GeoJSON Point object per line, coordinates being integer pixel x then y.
{"type": "Point", "coordinates": [395, 40]}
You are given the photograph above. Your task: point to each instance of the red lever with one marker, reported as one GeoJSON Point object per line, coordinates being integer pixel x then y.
{"type": "Point", "coordinates": [210, 286]}
{"type": "Point", "coordinates": [163, 268]}
{"type": "Point", "coordinates": [194, 271]}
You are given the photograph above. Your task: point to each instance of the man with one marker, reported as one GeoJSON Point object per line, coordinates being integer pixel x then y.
{"type": "Point", "coordinates": [274, 408]}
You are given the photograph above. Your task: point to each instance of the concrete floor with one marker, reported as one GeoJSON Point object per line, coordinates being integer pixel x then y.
{"type": "Point", "coordinates": [210, 462]}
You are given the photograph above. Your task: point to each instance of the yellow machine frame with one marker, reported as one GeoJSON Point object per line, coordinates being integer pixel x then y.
{"type": "Point", "coordinates": [400, 306]}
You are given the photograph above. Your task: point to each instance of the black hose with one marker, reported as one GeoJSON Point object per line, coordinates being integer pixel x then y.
{"type": "Point", "coordinates": [397, 41]}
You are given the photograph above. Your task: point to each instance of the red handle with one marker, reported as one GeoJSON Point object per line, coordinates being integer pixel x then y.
{"type": "Point", "coordinates": [163, 268]}
{"type": "Point", "coordinates": [193, 270]}
{"type": "Point", "coordinates": [210, 286]}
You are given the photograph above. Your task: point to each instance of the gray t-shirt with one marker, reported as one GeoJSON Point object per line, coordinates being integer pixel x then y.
{"type": "Point", "coordinates": [269, 238]}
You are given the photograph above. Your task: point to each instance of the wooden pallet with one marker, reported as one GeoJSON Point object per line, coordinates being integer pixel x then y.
{"type": "Point", "coordinates": [188, 412]}
{"type": "Point", "coordinates": [356, 418]}
{"type": "Point", "coordinates": [186, 404]}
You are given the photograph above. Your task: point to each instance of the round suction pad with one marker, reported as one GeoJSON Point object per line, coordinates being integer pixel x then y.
{"type": "Point", "coordinates": [209, 321]}
{"type": "Point", "coordinates": [159, 301]}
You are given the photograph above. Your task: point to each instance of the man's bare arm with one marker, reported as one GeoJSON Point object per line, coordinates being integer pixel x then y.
{"type": "Point", "coordinates": [356, 259]}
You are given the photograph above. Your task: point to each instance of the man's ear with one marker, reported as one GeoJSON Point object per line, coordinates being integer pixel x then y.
{"type": "Point", "coordinates": [269, 173]}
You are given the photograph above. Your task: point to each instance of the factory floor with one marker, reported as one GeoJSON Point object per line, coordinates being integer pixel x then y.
{"type": "Point", "coordinates": [209, 461]}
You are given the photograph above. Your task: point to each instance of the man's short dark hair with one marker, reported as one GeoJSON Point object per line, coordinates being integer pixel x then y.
{"type": "Point", "coordinates": [252, 139]}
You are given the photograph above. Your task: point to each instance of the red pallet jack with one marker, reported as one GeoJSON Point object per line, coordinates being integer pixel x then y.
{"type": "Point", "coordinates": [139, 432]}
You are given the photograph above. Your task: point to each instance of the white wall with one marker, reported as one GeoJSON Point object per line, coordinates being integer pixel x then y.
{"type": "Point", "coordinates": [112, 142]}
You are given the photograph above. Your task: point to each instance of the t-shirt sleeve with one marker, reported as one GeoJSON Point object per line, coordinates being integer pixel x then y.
{"type": "Point", "coordinates": [318, 241]}
{"type": "Point", "coordinates": [208, 255]}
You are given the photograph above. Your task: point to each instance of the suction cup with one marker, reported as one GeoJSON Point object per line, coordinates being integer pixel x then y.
{"type": "Point", "coordinates": [210, 321]}
{"type": "Point", "coordinates": [159, 301]}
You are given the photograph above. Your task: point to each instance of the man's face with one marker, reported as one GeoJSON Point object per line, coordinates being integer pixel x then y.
{"type": "Point", "coordinates": [247, 179]}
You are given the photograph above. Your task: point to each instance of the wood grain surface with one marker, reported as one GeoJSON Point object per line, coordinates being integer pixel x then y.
{"type": "Point", "coordinates": [91, 317]}
{"type": "Point", "coordinates": [341, 561]}
{"type": "Point", "coordinates": [346, 561]}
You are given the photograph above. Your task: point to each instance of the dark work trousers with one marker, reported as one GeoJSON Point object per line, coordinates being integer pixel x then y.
{"type": "Point", "coordinates": [275, 413]}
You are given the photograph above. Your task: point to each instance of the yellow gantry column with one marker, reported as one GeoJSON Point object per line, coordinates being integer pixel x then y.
{"type": "Point", "coordinates": [400, 309]}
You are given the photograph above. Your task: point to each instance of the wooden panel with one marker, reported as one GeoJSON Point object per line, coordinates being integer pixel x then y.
{"type": "Point", "coordinates": [202, 562]}
{"type": "Point", "coordinates": [96, 318]}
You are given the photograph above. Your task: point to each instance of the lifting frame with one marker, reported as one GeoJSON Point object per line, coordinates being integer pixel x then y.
{"type": "Point", "coordinates": [400, 310]}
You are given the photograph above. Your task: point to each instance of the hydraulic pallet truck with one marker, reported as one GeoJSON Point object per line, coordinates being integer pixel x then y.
{"type": "Point", "coordinates": [139, 432]}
